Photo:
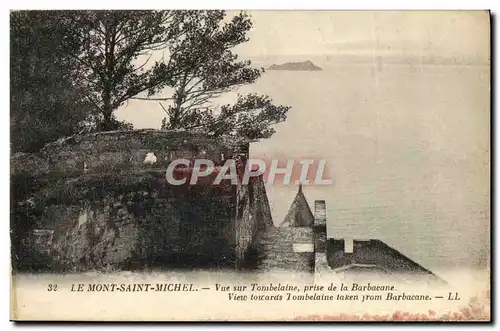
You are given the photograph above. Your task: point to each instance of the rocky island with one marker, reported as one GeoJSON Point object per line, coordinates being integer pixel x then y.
{"type": "Point", "coordinates": [295, 66]}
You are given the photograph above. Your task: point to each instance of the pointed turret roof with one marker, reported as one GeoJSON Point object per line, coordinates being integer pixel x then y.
{"type": "Point", "coordinates": [299, 214]}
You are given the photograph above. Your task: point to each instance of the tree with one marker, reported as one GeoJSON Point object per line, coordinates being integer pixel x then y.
{"type": "Point", "coordinates": [116, 48]}
{"type": "Point", "coordinates": [197, 64]}
{"type": "Point", "coordinates": [46, 103]}
{"type": "Point", "coordinates": [97, 60]}
{"type": "Point", "coordinates": [206, 68]}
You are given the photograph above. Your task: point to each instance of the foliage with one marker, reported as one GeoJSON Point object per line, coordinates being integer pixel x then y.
{"type": "Point", "coordinates": [46, 103]}
{"type": "Point", "coordinates": [111, 44]}
{"type": "Point", "coordinates": [206, 67]}
{"type": "Point", "coordinates": [115, 64]}
{"type": "Point", "coordinates": [70, 70]}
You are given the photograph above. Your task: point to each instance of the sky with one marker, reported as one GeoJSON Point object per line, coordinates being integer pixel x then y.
{"type": "Point", "coordinates": [280, 35]}
{"type": "Point", "coordinates": [427, 33]}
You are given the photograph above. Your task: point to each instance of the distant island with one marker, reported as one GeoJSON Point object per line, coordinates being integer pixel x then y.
{"type": "Point", "coordinates": [297, 66]}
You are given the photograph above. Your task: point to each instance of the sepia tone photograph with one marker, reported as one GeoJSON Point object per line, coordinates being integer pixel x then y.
{"type": "Point", "coordinates": [256, 165]}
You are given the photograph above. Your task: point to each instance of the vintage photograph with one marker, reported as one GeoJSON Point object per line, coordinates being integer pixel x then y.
{"type": "Point", "coordinates": [255, 165]}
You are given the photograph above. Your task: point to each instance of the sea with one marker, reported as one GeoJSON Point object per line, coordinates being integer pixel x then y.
{"type": "Point", "coordinates": [407, 146]}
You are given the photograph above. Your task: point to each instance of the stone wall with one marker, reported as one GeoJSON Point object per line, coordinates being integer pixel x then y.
{"type": "Point", "coordinates": [253, 217]}
{"type": "Point", "coordinates": [107, 208]}
{"type": "Point", "coordinates": [138, 228]}
{"type": "Point", "coordinates": [120, 150]}
{"type": "Point", "coordinates": [377, 256]}
{"type": "Point", "coordinates": [287, 249]}
{"type": "Point", "coordinates": [320, 237]}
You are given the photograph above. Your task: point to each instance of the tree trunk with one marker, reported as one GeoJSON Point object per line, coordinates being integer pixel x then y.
{"type": "Point", "coordinates": [174, 120]}
{"type": "Point", "coordinates": [109, 45]}
{"type": "Point", "coordinates": [107, 112]}
{"type": "Point", "coordinates": [106, 123]}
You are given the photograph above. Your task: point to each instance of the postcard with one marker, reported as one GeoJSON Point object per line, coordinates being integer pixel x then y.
{"type": "Point", "coordinates": [189, 165]}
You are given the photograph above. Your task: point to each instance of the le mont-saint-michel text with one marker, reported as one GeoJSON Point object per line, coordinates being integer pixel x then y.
{"type": "Point", "coordinates": [268, 292]}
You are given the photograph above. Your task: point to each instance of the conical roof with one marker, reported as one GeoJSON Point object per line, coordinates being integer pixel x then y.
{"type": "Point", "coordinates": [299, 214]}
